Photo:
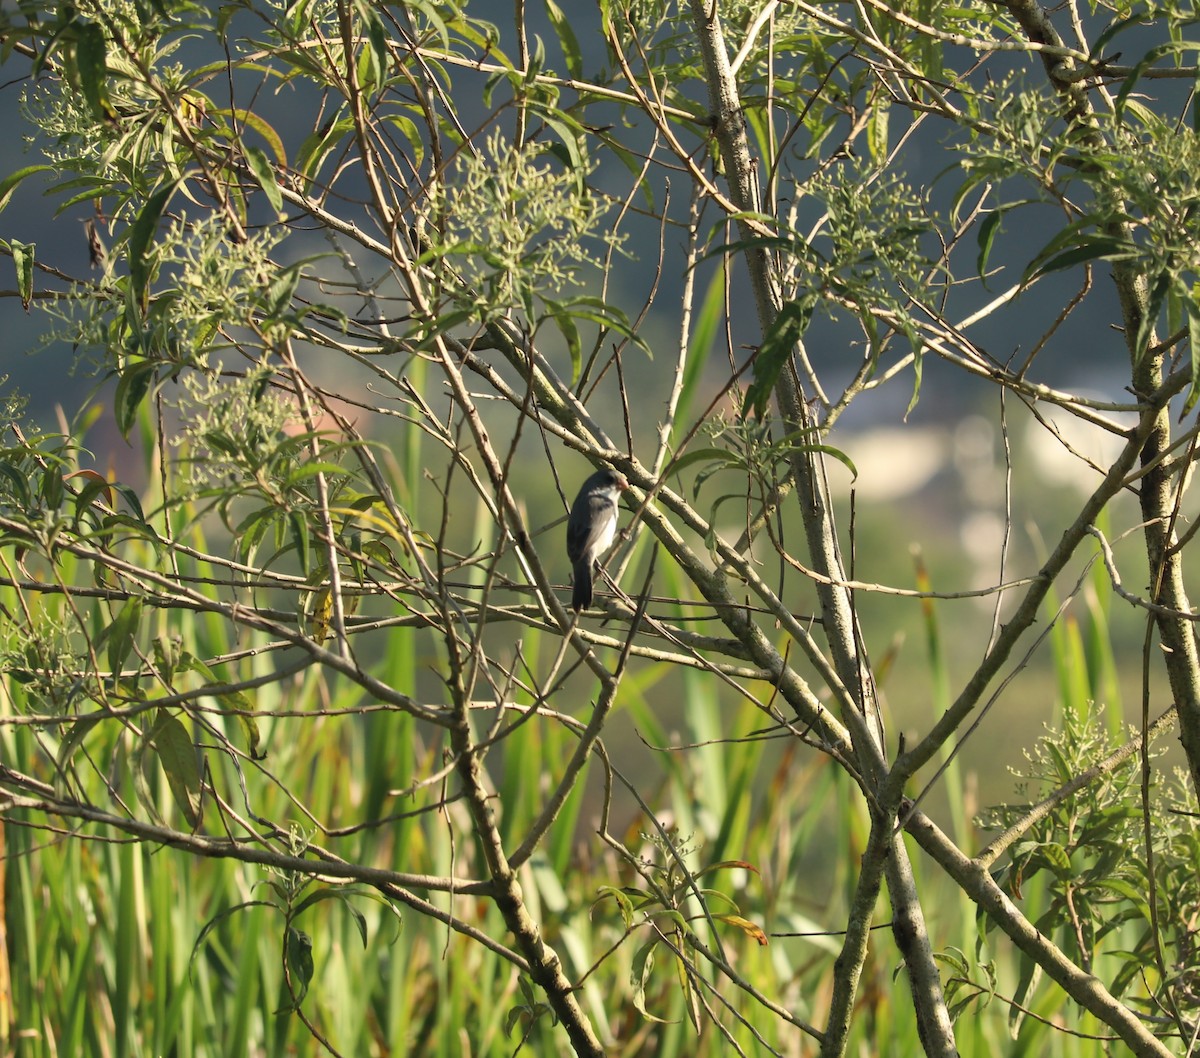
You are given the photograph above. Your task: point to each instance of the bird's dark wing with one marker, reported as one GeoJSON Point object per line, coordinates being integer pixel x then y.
{"type": "Point", "coordinates": [587, 530]}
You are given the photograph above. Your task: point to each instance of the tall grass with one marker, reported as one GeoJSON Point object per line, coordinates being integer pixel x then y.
{"type": "Point", "coordinates": [122, 948]}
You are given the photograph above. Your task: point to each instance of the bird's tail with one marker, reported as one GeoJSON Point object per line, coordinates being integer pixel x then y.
{"type": "Point", "coordinates": [581, 596]}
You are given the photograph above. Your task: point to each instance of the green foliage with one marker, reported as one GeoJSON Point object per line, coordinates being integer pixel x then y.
{"type": "Point", "coordinates": [1104, 896]}
{"type": "Point", "coordinates": [512, 228]}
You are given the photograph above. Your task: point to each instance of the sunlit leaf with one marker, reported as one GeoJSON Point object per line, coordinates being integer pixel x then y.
{"type": "Point", "coordinates": [566, 38]}
{"type": "Point", "coordinates": [260, 166]}
{"type": "Point", "coordinates": [91, 56]}
{"type": "Point", "coordinates": [14, 180]}
{"type": "Point", "coordinates": [778, 346]}
{"type": "Point", "coordinates": [140, 236]}
{"type": "Point", "coordinates": [177, 754]}
{"type": "Point", "coordinates": [132, 387]}
{"type": "Point", "coordinates": [22, 255]}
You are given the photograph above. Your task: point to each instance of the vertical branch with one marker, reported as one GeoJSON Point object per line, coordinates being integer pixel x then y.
{"type": "Point", "coordinates": [1180, 654]}
{"type": "Point", "coordinates": [322, 488]}
{"type": "Point", "coordinates": [847, 967]}
{"type": "Point", "coordinates": [820, 530]}
{"type": "Point", "coordinates": [545, 967]}
{"type": "Point", "coordinates": [808, 467]}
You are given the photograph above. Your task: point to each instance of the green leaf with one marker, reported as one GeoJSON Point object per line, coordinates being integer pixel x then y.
{"type": "Point", "coordinates": [242, 708]}
{"type": "Point", "coordinates": [985, 238]}
{"type": "Point", "coordinates": [719, 456]}
{"type": "Point", "coordinates": [52, 486]}
{"type": "Point", "coordinates": [1098, 248]}
{"type": "Point", "coordinates": [74, 739]}
{"type": "Point", "coordinates": [11, 182]}
{"type": "Point", "coordinates": [1140, 67]}
{"type": "Point", "coordinates": [703, 339]}
{"type": "Point", "coordinates": [1052, 855]}
{"type": "Point", "coordinates": [94, 484]}
{"type": "Point", "coordinates": [177, 754]}
{"type": "Point", "coordinates": [260, 166]}
{"type": "Point", "coordinates": [140, 235]}
{"type": "Point", "coordinates": [300, 966]}
{"type": "Point", "coordinates": [134, 384]}
{"type": "Point", "coordinates": [92, 60]}
{"type": "Point", "coordinates": [1075, 245]}
{"type": "Point", "coordinates": [249, 119]}
{"type": "Point", "coordinates": [300, 540]}
{"type": "Point", "coordinates": [278, 296]}
{"type": "Point", "coordinates": [22, 255]}
{"type": "Point", "coordinates": [121, 635]}
{"type": "Point", "coordinates": [314, 150]}
{"type": "Point", "coordinates": [573, 136]}
{"type": "Point", "coordinates": [1149, 320]}
{"type": "Point", "coordinates": [566, 39]}
{"type": "Point", "coordinates": [407, 128]}
{"type": "Point", "coordinates": [570, 332]}
{"type": "Point", "coordinates": [777, 347]}
{"type": "Point", "coordinates": [342, 895]}
{"type": "Point", "coordinates": [1118, 26]}
{"type": "Point", "coordinates": [217, 919]}
{"type": "Point", "coordinates": [877, 131]}
{"type": "Point", "coordinates": [19, 483]}
{"type": "Point", "coordinates": [1031, 975]}
{"type": "Point", "coordinates": [836, 453]}
{"type": "Point", "coordinates": [1193, 319]}
{"type": "Point", "coordinates": [135, 505]}
{"type": "Point", "coordinates": [375, 60]}
{"type": "Point", "coordinates": [595, 310]}
{"type": "Point", "coordinates": [639, 974]}
{"type": "Point", "coordinates": [624, 904]}
{"type": "Point", "coordinates": [914, 340]}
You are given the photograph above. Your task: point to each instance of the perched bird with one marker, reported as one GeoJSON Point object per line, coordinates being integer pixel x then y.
{"type": "Point", "coordinates": [591, 527]}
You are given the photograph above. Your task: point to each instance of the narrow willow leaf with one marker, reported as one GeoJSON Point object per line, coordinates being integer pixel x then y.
{"type": "Point", "coordinates": [321, 619]}
{"type": "Point", "coordinates": [300, 966]}
{"type": "Point", "coordinates": [248, 119]}
{"type": "Point", "coordinates": [776, 349]}
{"type": "Point", "coordinates": [877, 132]}
{"type": "Point", "coordinates": [1193, 319]}
{"type": "Point", "coordinates": [260, 166]}
{"type": "Point", "coordinates": [314, 150]}
{"type": "Point", "coordinates": [242, 708]}
{"type": "Point", "coordinates": [344, 896]}
{"type": "Point", "coordinates": [177, 754]}
{"type": "Point", "coordinates": [73, 740]}
{"type": "Point", "coordinates": [567, 40]}
{"type": "Point", "coordinates": [19, 483]}
{"type": "Point", "coordinates": [121, 635]}
{"type": "Point", "coordinates": [751, 929]}
{"type": "Point", "coordinates": [22, 255]}
{"type": "Point", "coordinates": [1031, 976]}
{"type": "Point", "coordinates": [92, 60]}
{"type": "Point", "coordinates": [132, 388]}
{"type": "Point", "coordinates": [639, 974]}
{"type": "Point", "coordinates": [140, 236]}
{"type": "Point", "coordinates": [703, 339]}
{"type": "Point", "coordinates": [11, 182]}
{"type": "Point", "coordinates": [985, 239]}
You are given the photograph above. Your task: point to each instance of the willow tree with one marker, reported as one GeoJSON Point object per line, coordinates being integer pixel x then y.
{"type": "Point", "coordinates": [372, 288]}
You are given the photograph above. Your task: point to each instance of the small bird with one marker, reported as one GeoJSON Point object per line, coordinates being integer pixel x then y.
{"type": "Point", "coordinates": [591, 527]}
